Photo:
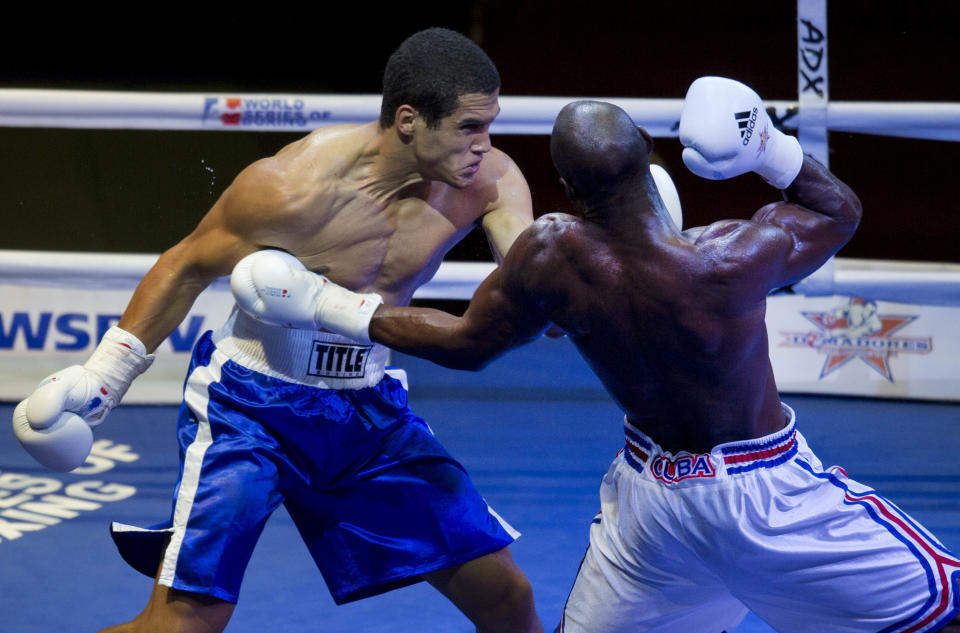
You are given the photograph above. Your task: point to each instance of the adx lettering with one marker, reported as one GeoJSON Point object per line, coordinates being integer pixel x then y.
{"type": "Point", "coordinates": [812, 53]}
{"type": "Point", "coordinates": [273, 291]}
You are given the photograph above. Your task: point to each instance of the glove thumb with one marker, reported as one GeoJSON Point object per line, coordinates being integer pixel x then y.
{"type": "Point", "coordinates": [699, 165]}
{"type": "Point", "coordinates": [61, 446]}
{"type": "Point", "coordinates": [52, 396]}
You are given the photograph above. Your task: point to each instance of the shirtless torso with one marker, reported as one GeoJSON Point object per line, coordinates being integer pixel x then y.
{"type": "Point", "coordinates": [355, 203]}
{"type": "Point", "coordinates": [672, 323]}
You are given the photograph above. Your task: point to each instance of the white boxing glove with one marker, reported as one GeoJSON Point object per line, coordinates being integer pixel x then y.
{"type": "Point", "coordinates": [726, 132]}
{"type": "Point", "coordinates": [668, 193]}
{"type": "Point", "coordinates": [54, 423]}
{"type": "Point", "coordinates": [275, 287]}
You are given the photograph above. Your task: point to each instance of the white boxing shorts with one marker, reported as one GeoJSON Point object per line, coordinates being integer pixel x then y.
{"type": "Point", "coordinates": [690, 542]}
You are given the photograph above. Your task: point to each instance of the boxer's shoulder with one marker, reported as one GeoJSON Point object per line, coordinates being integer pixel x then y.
{"type": "Point", "coordinates": [547, 250]}
{"type": "Point", "coordinates": [554, 234]}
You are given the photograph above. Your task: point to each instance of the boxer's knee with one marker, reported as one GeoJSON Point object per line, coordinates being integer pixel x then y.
{"type": "Point", "coordinates": [492, 592]}
{"type": "Point", "coordinates": [511, 598]}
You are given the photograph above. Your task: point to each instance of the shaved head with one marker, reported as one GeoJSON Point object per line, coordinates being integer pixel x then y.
{"type": "Point", "coordinates": [596, 146]}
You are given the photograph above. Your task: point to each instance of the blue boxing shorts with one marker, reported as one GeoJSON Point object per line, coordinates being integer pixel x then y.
{"type": "Point", "coordinates": [376, 498]}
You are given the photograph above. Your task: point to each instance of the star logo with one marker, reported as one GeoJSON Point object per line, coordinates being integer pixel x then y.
{"type": "Point", "coordinates": [764, 137]}
{"type": "Point", "coordinates": [857, 331]}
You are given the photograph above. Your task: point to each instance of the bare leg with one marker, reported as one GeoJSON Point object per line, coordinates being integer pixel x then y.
{"type": "Point", "coordinates": [173, 611]}
{"type": "Point", "coordinates": [953, 627]}
{"type": "Point", "coordinates": [492, 592]}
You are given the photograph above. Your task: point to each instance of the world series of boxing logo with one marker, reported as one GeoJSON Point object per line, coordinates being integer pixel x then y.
{"type": "Point", "coordinates": [261, 112]}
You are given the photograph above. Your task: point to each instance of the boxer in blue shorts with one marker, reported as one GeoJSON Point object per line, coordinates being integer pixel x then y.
{"type": "Point", "coordinates": [716, 505]}
{"type": "Point", "coordinates": [314, 420]}
{"type": "Point", "coordinates": [261, 441]}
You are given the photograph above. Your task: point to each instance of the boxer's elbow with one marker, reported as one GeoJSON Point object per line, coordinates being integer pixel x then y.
{"type": "Point", "coordinates": [438, 346]}
{"type": "Point", "coordinates": [855, 209]}
{"type": "Point", "coordinates": [477, 353]}
{"type": "Point", "coordinates": [471, 356]}
{"type": "Point", "coordinates": [848, 208]}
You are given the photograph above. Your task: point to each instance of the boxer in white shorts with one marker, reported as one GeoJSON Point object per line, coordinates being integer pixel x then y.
{"type": "Point", "coordinates": [717, 505]}
{"type": "Point", "coordinates": [689, 542]}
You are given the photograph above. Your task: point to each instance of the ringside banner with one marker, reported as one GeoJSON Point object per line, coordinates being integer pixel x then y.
{"type": "Point", "coordinates": [54, 308]}
{"type": "Point", "coordinates": [858, 347]}
{"type": "Point", "coordinates": [43, 330]}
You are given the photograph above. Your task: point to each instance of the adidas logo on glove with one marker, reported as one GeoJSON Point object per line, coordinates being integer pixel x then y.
{"type": "Point", "coordinates": [746, 121]}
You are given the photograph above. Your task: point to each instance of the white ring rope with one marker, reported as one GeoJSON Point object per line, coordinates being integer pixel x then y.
{"type": "Point", "coordinates": [936, 284]}
{"type": "Point", "coordinates": [519, 115]}
{"type": "Point", "coordinates": [905, 282]}
{"type": "Point", "coordinates": [109, 271]}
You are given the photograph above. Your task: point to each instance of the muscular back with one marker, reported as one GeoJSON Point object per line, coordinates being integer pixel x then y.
{"type": "Point", "coordinates": [664, 324]}
{"type": "Point", "coordinates": [673, 324]}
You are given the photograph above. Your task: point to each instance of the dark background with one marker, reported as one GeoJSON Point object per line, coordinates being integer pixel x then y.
{"type": "Point", "coordinates": [141, 191]}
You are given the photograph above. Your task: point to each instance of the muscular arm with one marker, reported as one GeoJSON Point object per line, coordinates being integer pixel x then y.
{"type": "Point", "coordinates": [507, 310]}
{"type": "Point", "coordinates": [788, 240]}
{"type": "Point", "coordinates": [510, 213]}
{"type": "Point", "coordinates": [168, 290]}
{"type": "Point", "coordinates": [492, 324]}
{"type": "Point", "coordinates": [236, 226]}
{"type": "Point", "coordinates": [820, 192]}
{"type": "Point", "coordinates": [820, 214]}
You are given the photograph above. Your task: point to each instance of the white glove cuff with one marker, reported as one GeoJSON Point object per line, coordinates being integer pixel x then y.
{"type": "Point", "coordinates": [119, 358]}
{"type": "Point", "coordinates": [347, 313]}
{"type": "Point", "coordinates": [783, 160]}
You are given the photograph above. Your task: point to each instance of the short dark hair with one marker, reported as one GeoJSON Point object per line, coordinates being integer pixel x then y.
{"type": "Point", "coordinates": [430, 71]}
{"type": "Point", "coordinates": [595, 146]}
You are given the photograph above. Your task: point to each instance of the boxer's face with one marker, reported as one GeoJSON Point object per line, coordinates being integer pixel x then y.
{"type": "Point", "coordinates": [452, 152]}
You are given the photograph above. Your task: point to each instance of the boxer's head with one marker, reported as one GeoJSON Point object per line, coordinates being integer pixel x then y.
{"type": "Point", "coordinates": [596, 147]}
{"type": "Point", "coordinates": [430, 71]}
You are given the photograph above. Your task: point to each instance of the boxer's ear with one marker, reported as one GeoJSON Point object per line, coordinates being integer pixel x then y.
{"type": "Point", "coordinates": [646, 136]}
{"type": "Point", "coordinates": [404, 119]}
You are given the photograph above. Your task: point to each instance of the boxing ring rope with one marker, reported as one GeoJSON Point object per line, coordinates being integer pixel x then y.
{"type": "Point", "coordinates": [80, 109]}
{"type": "Point", "coordinates": [906, 282]}
{"type": "Point", "coordinates": [928, 285]}
{"type": "Point", "coordinates": [53, 316]}
{"type": "Point", "coordinates": [98, 271]}
{"type": "Point", "coordinates": [833, 317]}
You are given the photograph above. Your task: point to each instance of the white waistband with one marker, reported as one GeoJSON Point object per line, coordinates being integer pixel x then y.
{"type": "Point", "coordinates": [738, 456]}
{"type": "Point", "coordinates": [307, 357]}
